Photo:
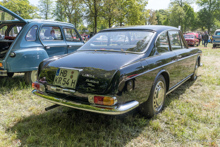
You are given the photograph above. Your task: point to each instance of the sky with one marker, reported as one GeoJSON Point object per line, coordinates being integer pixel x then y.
{"type": "Point", "coordinates": [152, 4]}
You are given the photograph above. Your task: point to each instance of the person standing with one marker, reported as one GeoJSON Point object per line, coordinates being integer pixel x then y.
{"type": "Point", "coordinates": [206, 38]}
{"type": "Point", "coordinates": [200, 38]}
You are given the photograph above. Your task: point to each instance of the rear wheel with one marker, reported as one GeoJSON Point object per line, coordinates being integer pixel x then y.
{"type": "Point", "coordinates": [30, 76]}
{"type": "Point", "coordinates": [155, 102]}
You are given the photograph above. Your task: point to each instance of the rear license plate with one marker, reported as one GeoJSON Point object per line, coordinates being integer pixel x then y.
{"type": "Point", "coordinates": [66, 78]}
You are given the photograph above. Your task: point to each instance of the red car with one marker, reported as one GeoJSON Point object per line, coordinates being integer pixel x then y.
{"type": "Point", "coordinates": [191, 40]}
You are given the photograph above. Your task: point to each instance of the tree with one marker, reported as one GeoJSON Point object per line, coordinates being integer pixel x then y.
{"type": "Point", "coordinates": [208, 13]}
{"type": "Point", "coordinates": [59, 12]}
{"type": "Point", "coordinates": [21, 7]}
{"type": "Point", "coordinates": [93, 12]}
{"type": "Point", "coordinates": [152, 18]}
{"type": "Point", "coordinates": [177, 15]}
{"type": "Point", "coordinates": [189, 19]}
{"type": "Point", "coordinates": [46, 8]}
{"type": "Point", "coordinates": [163, 17]}
{"type": "Point", "coordinates": [73, 10]}
{"type": "Point", "coordinates": [109, 11]}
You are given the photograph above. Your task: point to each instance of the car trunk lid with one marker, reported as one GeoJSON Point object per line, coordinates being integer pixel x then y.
{"type": "Point", "coordinates": [97, 69]}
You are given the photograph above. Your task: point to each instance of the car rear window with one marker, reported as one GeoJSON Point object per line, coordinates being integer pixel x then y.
{"type": "Point", "coordinates": [127, 40]}
{"type": "Point", "coordinates": [32, 34]}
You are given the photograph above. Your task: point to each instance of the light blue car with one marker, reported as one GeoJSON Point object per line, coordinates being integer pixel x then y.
{"type": "Point", "coordinates": [25, 43]}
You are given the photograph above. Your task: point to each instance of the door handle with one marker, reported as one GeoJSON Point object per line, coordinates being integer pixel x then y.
{"type": "Point", "coordinates": [69, 46]}
{"type": "Point", "coordinates": [47, 47]}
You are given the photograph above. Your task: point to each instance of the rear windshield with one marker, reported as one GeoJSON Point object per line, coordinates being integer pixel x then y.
{"type": "Point", "coordinates": [122, 41]}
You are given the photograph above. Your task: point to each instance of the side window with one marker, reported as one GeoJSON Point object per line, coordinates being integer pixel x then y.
{"type": "Point", "coordinates": [71, 35]}
{"type": "Point", "coordinates": [175, 40]}
{"type": "Point", "coordinates": [14, 31]}
{"type": "Point", "coordinates": [2, 32]}
{"type": "Point", "coordinates": [48, 33]}
{"type": "Point", "coordinates": [162, 43]}
{"type": "Point", "coordinates": [32, 34]}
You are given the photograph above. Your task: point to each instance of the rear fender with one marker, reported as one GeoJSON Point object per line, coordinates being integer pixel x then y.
{"type": "Point", "coordinates": [26, 60]}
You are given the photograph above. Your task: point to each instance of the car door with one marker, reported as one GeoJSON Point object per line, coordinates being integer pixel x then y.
{"type": "Point", "coordinates": [184, 57]}
{"type": "Point", "coordinates": [73, 39]}
{"type": "Point", "coordinates": [161, 58]}
{"type": "Point", "coordinates": [53, 40]}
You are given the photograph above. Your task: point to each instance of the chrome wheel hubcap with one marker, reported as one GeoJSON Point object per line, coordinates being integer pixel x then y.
{"type": "Point", "coordinates": [34, 76]}
{"type": "Point", "coordinates": [158, 98]}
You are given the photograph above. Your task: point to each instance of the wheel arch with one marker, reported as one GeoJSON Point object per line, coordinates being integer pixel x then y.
{"type": "Point", "coordinates": [166, 76]}
{"type": "Point", "coordinates": [199, 59]}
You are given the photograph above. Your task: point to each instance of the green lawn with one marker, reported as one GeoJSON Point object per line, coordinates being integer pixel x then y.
{"type": "Point", "coordinates": [191, 117]}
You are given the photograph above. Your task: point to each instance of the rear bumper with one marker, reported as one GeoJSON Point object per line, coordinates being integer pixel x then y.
{"type": "Point", "coordinates": [110, 110]}
{"type": "Point", "coordinates": [3, 73]}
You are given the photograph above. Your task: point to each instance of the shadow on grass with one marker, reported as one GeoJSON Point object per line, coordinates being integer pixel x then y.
{"type": "Point", "coordinates": [69, 127]}
{"type": "Point", "coordinates": [177, 92]}
{"type": "Point", "coordinates": [17, 81]}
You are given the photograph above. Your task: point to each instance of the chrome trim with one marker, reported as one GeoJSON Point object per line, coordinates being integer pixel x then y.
{"type": "Point", "coordinates": [178, 84]}
{"type": "Point", "coordinates": [3, 73]}
{"type": "Point", "coordinates": [158, 67]}
{"type": "Point", "coordinates": [71, 68]}
{"type": "Point", "coordinates": [112, 110]}
{"type": "Point", "coordinates": [60, 90]}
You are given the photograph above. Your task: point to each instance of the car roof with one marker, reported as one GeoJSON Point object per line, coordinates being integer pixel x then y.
{"type": "Point", "coordinates": [156, 28]}
{"type": "Point", "coordinates": [47, 21]}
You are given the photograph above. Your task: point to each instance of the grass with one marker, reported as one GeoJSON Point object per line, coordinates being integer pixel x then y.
{"type": "Point", "coordinates": [191, 117]}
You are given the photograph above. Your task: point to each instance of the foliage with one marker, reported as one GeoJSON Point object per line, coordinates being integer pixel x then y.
{"type": "Point", "coordinates": [21, 7]}
{"type": "Point", "coordinates": [72, 10]}
{"type": "Point", "coordinates": [208, 13]}
{"type": "Point", "coordinates": [46, 8]}
{"type": "Point", "coordinates": [59, 12]}
{"type": "Point", "coordinates": [152, 18]}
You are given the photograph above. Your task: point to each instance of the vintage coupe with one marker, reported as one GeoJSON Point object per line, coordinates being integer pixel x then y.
{"type": "Point", "coordinates": [191, 40]}
{"type": "Point", "coordinates": [120, 69]}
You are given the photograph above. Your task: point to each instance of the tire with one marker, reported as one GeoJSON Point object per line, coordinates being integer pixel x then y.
{"type": "Point", "coordinates": [10, 74]}
{"type": "Point", "coordinates": [194, 76]}
{"type": "Point", "coordinates": [155, 102]}
{"type": "Point", "coordinates": [30, 76]}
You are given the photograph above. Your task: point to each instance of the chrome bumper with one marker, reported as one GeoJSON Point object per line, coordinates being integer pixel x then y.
{"type": "Point", "coordinates": [3, 73]}
{"type": "Point", "coordinates": [112, 110]}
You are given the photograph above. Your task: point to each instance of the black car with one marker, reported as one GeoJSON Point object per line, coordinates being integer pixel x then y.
{"type": "Point", "coordinates": [120, 69]}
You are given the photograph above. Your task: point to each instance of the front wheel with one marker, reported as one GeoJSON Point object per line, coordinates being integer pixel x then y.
{"type": "Point", "coordinates": [155, 102]}
{"type": "Point", "coordinates": [30, 76]}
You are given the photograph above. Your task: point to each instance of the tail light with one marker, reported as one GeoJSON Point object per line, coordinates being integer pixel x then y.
{"type": "Point", "coordinates": [102, 100]}
{"type": "Point", "coordinates": [38, 86]}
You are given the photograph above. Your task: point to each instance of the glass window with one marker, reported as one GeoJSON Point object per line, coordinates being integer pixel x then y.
{"type": "Point", "coordinates": [162, 43]}
{"type": "Point", "coordinates": [128, 40]}
{"type": "Point", "coordinates": [14, 31]}
{"type": "Point", "coordinates": [4, 16]}
{"type": "Point", "coordinates": [71, 35]}
{"type": "Point", "coordinates": [175, 40]}
{"type": "Point", "coordinates": [32, 34]}
{"type": "Point", "coordinates": [2, 32]}
{"type": "Point", "coordinates": [50, 33]}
